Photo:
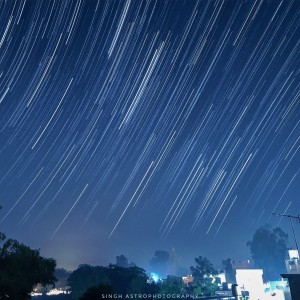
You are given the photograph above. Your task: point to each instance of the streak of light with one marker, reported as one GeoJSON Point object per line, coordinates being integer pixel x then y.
{"type": "Point", "coordinates": [20, 198]}
{"type": "Point", "coordinates": [52, 115]}
{"type": "Point", "coordinates": [66, 216]}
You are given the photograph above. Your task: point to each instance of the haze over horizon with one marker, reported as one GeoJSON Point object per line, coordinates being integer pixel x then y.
{"type": "Point", "coordinates": [134, 126]}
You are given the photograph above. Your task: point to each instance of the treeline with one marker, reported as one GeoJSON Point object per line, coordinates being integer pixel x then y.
{"type": "Point", "coordinates": [91, 282]}
{"type": "Point", "coordinates": [23, 269]}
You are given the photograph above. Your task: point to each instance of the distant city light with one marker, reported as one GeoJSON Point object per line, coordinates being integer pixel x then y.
{"type": "Point", "coordinates": [155, 277]}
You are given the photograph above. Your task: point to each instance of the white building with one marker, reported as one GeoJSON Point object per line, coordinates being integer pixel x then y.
{"type": "Point", "coordinates": [251, 280]}
{"type": "Point", "coordinates": [293, 262]}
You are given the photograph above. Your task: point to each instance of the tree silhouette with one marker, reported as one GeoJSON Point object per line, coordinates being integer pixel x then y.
{"type": "Point", "coordinates": [21, 268]}
{"type": "Point", "coordinates": [85, 277]}
{"type": "Point", "coordinates": [127, 280]}
{"type": "Point", "coordinates": [123, 262]}
{"type": "Point", "coordinates": [203, 272]}
{"type": "Point", "coordinates": [268, 249]}
{"type": "Point", "coordinates": [87, 281]}
{"type": "Point", "coordinates": [172, 285]}
{"type": "Point", "coordinates": [96, 292]}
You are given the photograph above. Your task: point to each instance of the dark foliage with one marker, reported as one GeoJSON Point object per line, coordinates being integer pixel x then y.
{"type": "Point", "coordinates": [268, 249]}
{"type": "Point", "coordinates": [123, 262]}
{"type": "Point", "coordinates": [203, 272]}
{"type": "Point", "coordinates": [88, 280]}
{"type": "Point", "coordinates": [21, 268]}
{"type": "Point", "coordinates": [173, 285]}
{"type": "Point", "coordinates": [86, 276]}
{"type": "Point", "coordinates": [96, 292]}
{"type": "Point", "coordinates": [54, 297]}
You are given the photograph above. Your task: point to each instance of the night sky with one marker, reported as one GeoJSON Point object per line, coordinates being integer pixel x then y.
{"type": "Point", "coordinates": [131, 126]}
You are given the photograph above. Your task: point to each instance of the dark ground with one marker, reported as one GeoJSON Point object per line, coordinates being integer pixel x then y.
{"type": "Point", "coordinates": [54, 297]}
{"type": "Point", "coordinates": [68, 297]}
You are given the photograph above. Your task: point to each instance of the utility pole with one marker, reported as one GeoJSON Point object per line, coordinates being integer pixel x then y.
{"type": "Point", "coordinates": [291, 221]}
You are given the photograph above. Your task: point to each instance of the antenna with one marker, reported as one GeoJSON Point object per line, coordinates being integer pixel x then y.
{"type": "Point", "coordinates": [291, 221]}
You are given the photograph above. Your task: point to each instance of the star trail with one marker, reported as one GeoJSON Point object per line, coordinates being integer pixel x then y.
{"type": "Point", "coordinates": [123, 121]}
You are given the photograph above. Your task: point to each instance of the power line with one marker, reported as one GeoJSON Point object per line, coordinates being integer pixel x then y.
{"type": "Point", "coordinates": [288, 216]}
{"type": "Point", "coordinates": [291, 221]}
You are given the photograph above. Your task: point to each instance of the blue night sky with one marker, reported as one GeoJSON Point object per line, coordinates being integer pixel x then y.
{"type": "Point", "coordinates": [131, 126]}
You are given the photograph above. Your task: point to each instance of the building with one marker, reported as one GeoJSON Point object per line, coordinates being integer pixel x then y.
{"type": "Point", "coordinates": [231, 265]}
{"type": "Point", "coordinates": [187, 280]}
{"type": "Point", "coordinates": [293, 273]}
{"type": "Point", "coordinates": [251, 280]}
{"type": "Point", "coordinates": [293, 262]}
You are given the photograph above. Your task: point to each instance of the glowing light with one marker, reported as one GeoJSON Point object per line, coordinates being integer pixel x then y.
{"type": "Point", "coordinates": [155, 277]}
